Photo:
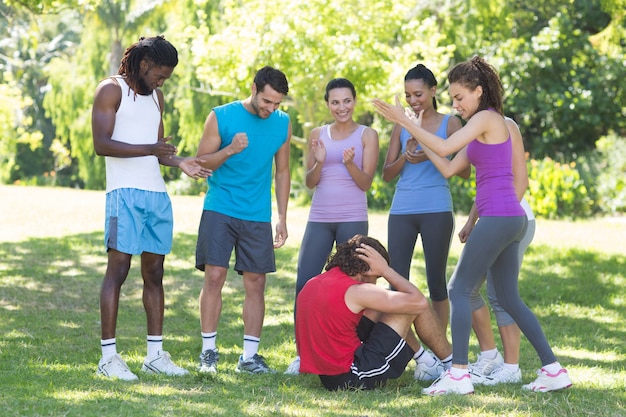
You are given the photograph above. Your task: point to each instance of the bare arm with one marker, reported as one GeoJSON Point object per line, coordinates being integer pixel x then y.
{"type": "Point", "coordinates": [407, 299]}
{"type": "Point", "coordinates": [282, 185]}
{"type": "Point", "coordinates": [209, 148]}
{"type": "Point", "coordinates": [363, 178]}
{"type": "Point", "coordinates": [478, 127]}
{"type": "Point", "coordinates": [315, 158]}
{"type": "Point", "coordinates": [106, 102]}
{"type": "Point", "coordinates": [395, 160]}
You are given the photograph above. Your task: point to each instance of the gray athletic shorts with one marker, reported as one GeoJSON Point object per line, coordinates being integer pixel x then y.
{"type": "Point", "coordinates": [218, 234]}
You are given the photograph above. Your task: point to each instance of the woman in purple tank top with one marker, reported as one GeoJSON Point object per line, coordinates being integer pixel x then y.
{"type": "Point", "coordinates": [493, 245]}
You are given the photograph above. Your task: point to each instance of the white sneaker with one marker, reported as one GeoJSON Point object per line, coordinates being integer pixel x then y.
{"type": "Point", "coordinates": [484, 366]}
{"type": "Point", "coordinates": [163, 364]}
{"type": "Point", "coordinates": [546, 382]}
{"type": "Point", "coordinates": [115, 367]}
{"type": "Point", "coordinates": [208, 361]}
{"type": "Point", "coordinates": [447, 384]}
{"type": "Point", "coordinates": [503, 375]}
{"type": "Point", "coordinates": [294, 367]}
{"type": "Point", "coordinates": [424, 372]}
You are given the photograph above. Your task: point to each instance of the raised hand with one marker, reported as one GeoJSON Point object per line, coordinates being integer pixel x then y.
{"type": "Point", "coordinates": [239, 143]}
{"type": "Point", "coordinates": [319, 150]}
{"type": "Point", "coordinates": [348, 156]}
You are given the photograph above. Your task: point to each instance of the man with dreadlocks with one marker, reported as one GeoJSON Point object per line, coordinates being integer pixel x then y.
{"type": "Point", "coordinates": [127, 126]}
{"type": "Point", "coordinates": [352, 332]}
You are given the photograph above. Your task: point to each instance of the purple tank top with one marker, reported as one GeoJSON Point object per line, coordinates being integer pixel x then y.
{"type": "Point", "coordinates": [337, 198]}
{"type": "Point", "coordinates": [495, 192]}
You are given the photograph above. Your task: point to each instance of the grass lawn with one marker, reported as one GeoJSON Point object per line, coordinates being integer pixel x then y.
{"type": "Point", "coordinates": [51, 265]}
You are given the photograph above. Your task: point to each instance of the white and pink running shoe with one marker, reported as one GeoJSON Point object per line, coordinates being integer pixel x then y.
{"type": "Point", "coordinates": [448, 384]}
{"type": "Point", "coordinates": [546, 382]}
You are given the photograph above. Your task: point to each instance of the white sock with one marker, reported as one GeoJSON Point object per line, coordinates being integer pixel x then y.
{"type": "Point", "coordinates": [447, 362]}
{"type": "Point", "coordinates": [109, 348]}
{"type": "Point", "coordinates": [423, 356]}
{"type": "Point", "coordinates": [513, 367]}
{"type": "Point", "coordinates": [489, 354]}
{"type": "Point", "coordinates": [250, 346]}
{"type": "Point", "coordinates": [553, 368]}
{"type": "Point", "coordinates": [155, 346]}
{"type": "Point", "coordinates": [208, 341]}
{"type": "Point", "coordinates": [458, 372]}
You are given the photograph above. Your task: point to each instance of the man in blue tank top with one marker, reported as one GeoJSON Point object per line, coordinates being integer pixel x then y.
{"type": "Point", "coordinates": [240, 143]}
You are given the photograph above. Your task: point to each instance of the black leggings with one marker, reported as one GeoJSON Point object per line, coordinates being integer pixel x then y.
{"type": "Point", "coordinates": [436, 230]}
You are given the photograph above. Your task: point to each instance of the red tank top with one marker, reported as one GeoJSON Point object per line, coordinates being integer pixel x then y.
{"type": "Point", "coordinates": [325, 327]}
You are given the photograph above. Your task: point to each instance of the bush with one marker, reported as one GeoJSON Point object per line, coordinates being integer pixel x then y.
{"type": "Point", "coordinates": [557, 190]}
{"type": "Point", "coordinates": [611, 179]}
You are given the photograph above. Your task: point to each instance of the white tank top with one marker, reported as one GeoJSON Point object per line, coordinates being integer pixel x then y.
{"type": "Point", "coordinates": [136, 122]}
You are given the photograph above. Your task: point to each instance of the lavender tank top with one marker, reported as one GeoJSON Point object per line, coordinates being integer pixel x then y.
{"type": "Point", "coordinates": [495, 192]}
{"type": "Point", "coordinates": [337, 198]}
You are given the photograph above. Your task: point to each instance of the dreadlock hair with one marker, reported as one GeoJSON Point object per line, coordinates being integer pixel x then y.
{"type": "Point", "coordinates": [347, 259]}
{"type": "Point", "coordinates": [420, 72]}
{"type": "Point", "coordinates": [339, 83]}
{"type": "Point", "coordinates": [477, 72]}
{"type": "Point", "coordinates": [275, 78]}
{"type": "Point", "coordinates": [154, 49]}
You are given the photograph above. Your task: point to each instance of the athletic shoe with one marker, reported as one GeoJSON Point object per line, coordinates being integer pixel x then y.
{"type": "Point", "coordinates": [163, 364]}
{"type": "Point", "coordinates": [546, 382]}
{"type": "Point", "coordinates": [254, 365]}
{"type": "Point", "coordinates": [294, 367]}
{"type": "Point", "coordinates": [424, 372]}
{"type": "Point", "coordinates": [477, 378]}
{"type": "Point", "coordinates": [447, 384]}
{"type": "Point", "coordinates": [115, 367]}
{"type": "Point", "coordinates": [208, 361]}
{"type": "Point", "coordinates": [484, 366]}
{"type": "Point", "coordinates": [503, 375]}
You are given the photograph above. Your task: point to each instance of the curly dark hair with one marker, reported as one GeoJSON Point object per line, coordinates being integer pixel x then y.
{"type": "Point", "coordinates": [346, 256]}
{"type": "Point", "coordinates": [477, 72]}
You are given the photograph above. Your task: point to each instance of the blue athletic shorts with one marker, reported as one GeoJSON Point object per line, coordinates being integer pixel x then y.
{"type": "Point", "coordinates": [218, 234]}
{"type": "Point", "coordinates": [138, 221]}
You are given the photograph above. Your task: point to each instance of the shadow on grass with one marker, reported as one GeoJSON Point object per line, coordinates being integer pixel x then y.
{"type": "Point", "coordinates": [49, 322]}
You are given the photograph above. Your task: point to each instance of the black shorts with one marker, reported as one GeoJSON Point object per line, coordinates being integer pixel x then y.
{"type": "Point", "coordinates": [218, 234]}
{"type": "Point", "coordinates": [383, 355]}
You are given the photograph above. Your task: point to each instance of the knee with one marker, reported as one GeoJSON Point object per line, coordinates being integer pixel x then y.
{"type": "Point", "coordinates": [214, 279]}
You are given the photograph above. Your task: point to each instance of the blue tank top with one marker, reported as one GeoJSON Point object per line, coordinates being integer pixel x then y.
{"type": "Point", "coordinates": [241, 187]}
{"type": "Point", "coordinates": [421, 187]}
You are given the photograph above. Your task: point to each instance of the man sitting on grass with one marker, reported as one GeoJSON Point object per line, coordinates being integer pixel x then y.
{"type": "Point", "coordinates": [350, 331]}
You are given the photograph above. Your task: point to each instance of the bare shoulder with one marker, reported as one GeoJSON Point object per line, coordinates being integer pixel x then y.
{"type": "Point", "coordinates": [108, 93]}
{"type": "Point", "coordinates": [370, 133]}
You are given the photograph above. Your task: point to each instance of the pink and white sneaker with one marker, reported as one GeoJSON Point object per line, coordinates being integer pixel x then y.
{"type": "Point", "coordinates": [546, 382]}
{"type": "Point", "coordinates": [448, 384]}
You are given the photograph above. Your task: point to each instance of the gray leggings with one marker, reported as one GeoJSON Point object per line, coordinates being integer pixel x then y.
{"type": "Point", "coordinates": [502, 317]}
{"type": "Point", "coordinates": [317, 244]}
{"type": "Point", "coordinates": [492, 246]}
{"type": "Point", "coordinates": [436, 230]}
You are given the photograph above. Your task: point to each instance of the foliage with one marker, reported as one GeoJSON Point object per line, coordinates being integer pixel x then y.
{"type": "Point", "coordinates": [556, 190]}
{"type": "Point", "coordinates": [611, 181]}
{"type": "Point", "coordinates": [561, 63]}
{"type": "Point", "coordinates": [561, 91]}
